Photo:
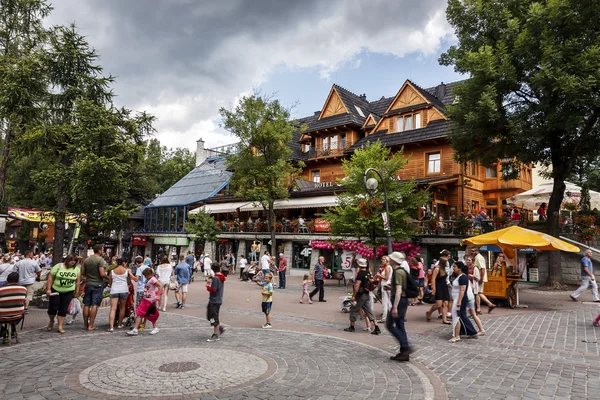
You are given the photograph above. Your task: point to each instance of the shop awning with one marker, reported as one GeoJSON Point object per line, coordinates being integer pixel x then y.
{"type": "Point", "coordinates": [302, 202]}
{"type": "Point", "coordinates": [306, 202]}
{"type": "Point", "coordinates": [219, 208]}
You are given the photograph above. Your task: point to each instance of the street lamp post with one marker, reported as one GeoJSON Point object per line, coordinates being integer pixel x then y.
{"type": "Point", "coordinates": [371, 187]}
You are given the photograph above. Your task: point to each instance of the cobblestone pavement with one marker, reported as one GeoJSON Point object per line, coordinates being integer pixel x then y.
{"type": "Point", "coordinates": [530, 354]}
{"type": "Point", "coordinates": [245, 363]}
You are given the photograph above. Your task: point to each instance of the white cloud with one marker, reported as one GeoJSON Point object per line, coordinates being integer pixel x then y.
{"type": "Point", "coordinates": [182, 61]}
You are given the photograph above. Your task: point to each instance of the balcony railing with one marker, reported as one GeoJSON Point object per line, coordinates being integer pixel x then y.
{"type": "Point", "coordinates": [436, 227]}
{"type": "Point", "coordinates": [329, 152]}
{"type": "Point", "coordinates": [262, 227]}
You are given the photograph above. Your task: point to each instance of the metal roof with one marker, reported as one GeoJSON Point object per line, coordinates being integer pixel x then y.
{"type": "Point", "coordinates": [201, 183]}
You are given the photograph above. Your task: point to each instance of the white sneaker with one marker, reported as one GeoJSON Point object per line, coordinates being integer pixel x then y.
{"type": "Point", "coordinates": [70, 322]}
{"type": "Point", "coordinates": [133, 332]}
{"type": "Point", "coordinates": [267, 326]}
{"type": "Point", "coordinates": [154, 331]}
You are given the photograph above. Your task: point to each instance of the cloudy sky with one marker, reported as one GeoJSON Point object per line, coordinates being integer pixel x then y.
{"type": "Point", "coordinates": [182, 60]}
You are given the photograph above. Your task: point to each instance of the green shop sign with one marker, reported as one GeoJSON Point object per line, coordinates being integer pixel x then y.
{"type": "Point", "coordinates": [172, 241]}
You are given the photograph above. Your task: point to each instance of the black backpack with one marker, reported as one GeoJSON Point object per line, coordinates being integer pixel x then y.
{"type": "Point", "coordinates": [414, 272]}
{"type": "Point", "coordinates": [412, 289]}
{"type": "Point", "coordinates": [370, 284]}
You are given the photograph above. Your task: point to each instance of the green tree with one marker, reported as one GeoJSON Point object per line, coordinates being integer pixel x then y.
{"type": "Point", "coordinates": [90, 146]}
{"type": "Point", "coordinates": [533, 91]}
{"type": "Point", "coordinates": [262, 170]}
{"type": "Point", "coordinates": [22, 82]}
{"type": "Point", "coordinates": [358, 214]}
{"type": "Point", "coordinates": [584, 203]}
{"type": "Point", "coordinates": [203, 225]}
{"type": "Point", "coordinates": [174, 165]}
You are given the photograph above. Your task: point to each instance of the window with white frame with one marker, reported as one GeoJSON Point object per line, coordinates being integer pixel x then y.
{"type": "Point", "coordinates": [326, 143]}
{"type": "Point", "coordinates": [417, 121]}
{"type": "Point", "coordinates": [400, 124]}
{"type": "Point", "coordinates": [334, 142]}
{"type": "Point", "coordinates": [306, 147]}
{"type": "Point", "coordinates": [343, 141]}
{"type": "Point", "coordinates": [408, 123]}
{"type": "Point", "coordinates": [434, 161]}
{"type": "Point", "coordinates": [316, 176]}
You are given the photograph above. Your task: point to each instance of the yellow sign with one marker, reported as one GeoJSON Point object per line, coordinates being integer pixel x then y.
{"type": "Point", "coordinates": [38, 215]}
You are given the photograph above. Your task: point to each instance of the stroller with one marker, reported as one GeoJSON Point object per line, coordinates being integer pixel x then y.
{"type": "Point", "coordinates": [346, 304]}
{"type": "Point", "coordinates": [129, 318]}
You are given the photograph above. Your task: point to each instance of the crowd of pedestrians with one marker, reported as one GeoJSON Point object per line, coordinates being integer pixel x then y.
{"type": "Point", "coordinates": [140, 291]}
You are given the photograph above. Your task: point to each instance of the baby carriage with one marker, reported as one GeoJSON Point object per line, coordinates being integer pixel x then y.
{"type": "Point", "coordinates": [129, 318]}
{"type": "Point", "coordinates": [428, 297]}
{"type": "Point", "coordinates": [347, 304]}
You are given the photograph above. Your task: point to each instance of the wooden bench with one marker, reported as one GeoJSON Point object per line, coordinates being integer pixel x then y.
{"type": "Point", "coordinates": [339, 275]}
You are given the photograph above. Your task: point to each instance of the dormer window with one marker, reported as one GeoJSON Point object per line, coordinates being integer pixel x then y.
{"type": "Point", "coordinates": [306, 147]}
{"type": "Point", "coordinates": [408, 122]}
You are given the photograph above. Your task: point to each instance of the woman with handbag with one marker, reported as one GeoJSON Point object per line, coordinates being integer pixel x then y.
{"type": "Point", "coordinates": [164, 272]}
{"type": "Point", "coordinates": [62, 286]}
{"type": "Point", "coordinates": [462, 294]}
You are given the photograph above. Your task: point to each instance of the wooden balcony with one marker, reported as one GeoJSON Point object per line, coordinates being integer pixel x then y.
{"type": "Point", "coordinates": [322, 152]}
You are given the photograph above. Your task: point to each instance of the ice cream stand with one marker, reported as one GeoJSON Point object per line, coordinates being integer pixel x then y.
{"type": "Point", "coordinates": [503, 282]}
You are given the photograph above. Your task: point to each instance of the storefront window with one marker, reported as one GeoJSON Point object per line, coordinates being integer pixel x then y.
{"type": "Point", "coordinates": [301, 253]}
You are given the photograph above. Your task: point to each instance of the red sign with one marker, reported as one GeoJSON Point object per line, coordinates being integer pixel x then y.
{"type": "Point", "coordinates": [322, 225]}
{"type": "Point", "coordinates": [140, 240]}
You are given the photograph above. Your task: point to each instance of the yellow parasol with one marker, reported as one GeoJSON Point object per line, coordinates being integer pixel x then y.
{"type": "Point", "coordinates": [515, 237]}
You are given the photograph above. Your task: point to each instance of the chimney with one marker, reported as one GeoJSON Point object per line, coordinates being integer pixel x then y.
{"type": "Point", "coordinates": [363, 97]}
{"type": "Point", "coordinates": [440, 91]}
{"type": "Point", "coordinates": [200, 152]}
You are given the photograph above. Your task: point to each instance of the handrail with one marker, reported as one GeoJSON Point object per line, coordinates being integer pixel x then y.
{"type": "Point", "coordinates": [576, 243]}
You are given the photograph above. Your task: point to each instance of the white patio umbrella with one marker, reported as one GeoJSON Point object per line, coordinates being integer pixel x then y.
{"type": "Point", "coordinates": [533, 198]}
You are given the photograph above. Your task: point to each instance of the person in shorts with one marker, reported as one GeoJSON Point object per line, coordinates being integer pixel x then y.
{"type": "Point", "coordinates": [94, 273]}
{"type": "Point", "coordinates": [28, 270]}
{"type": "Point", "coordinates": [182, 272]}
{"type": "Point", "coordinates": [267, 300]}
{"type": "Point", "coordinates": [215, 288]}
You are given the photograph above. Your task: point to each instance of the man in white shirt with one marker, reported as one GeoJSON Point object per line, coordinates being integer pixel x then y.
{"type": "Point", "coordinates": [479, 262]}
{"type": "Point", "coordinates": [28, 269]}
{"type": "Point", "coordinates": [243, 263]}
{"type": "Point", "coordinates": [265, 260]}
{"type": "Point", "coordinates": [207, 265]}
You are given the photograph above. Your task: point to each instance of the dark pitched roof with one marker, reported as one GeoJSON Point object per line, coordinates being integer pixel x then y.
{"type": "Point", "coordinates": [352, 101]}
{"type": "Point", "coordinates": [449, 95]}
{"type": "Point", "coordinates": [336, 120]}
{"type": "Point", "coordinates": [378, 107]}
{"type": "Point", "coordinates": [434, 130]}
{"type": "Point", "coordinates": [429, 96]}
{"type": "Point", "coordinates": [202, 182]}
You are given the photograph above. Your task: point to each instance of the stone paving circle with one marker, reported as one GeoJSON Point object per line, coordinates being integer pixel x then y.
{"type": "Point", "coordinates": [180, 363]}
{"type": "Point", "coordinates": [197, 371]}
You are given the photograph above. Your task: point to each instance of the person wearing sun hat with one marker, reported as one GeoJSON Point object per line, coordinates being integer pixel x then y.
{"type": "Point", "coordinates": [360, 298]}
{"type": "Point", "coordinates": [395, 319]}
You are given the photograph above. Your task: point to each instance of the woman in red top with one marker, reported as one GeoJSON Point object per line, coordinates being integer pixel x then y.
{"type": "Point", "coordinates": [516, 216]}
{"type": "Point", "coordinates": [542, 212]}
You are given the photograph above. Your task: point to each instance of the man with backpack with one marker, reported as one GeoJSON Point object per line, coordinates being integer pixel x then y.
{"type": "Point", "coordinates": [363, 286]}
{"type": "Point", "coordinates": [403, 288]}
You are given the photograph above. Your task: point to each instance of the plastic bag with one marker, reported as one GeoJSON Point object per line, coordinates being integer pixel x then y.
{"type": "Point", "coordinates": [74, 307]}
